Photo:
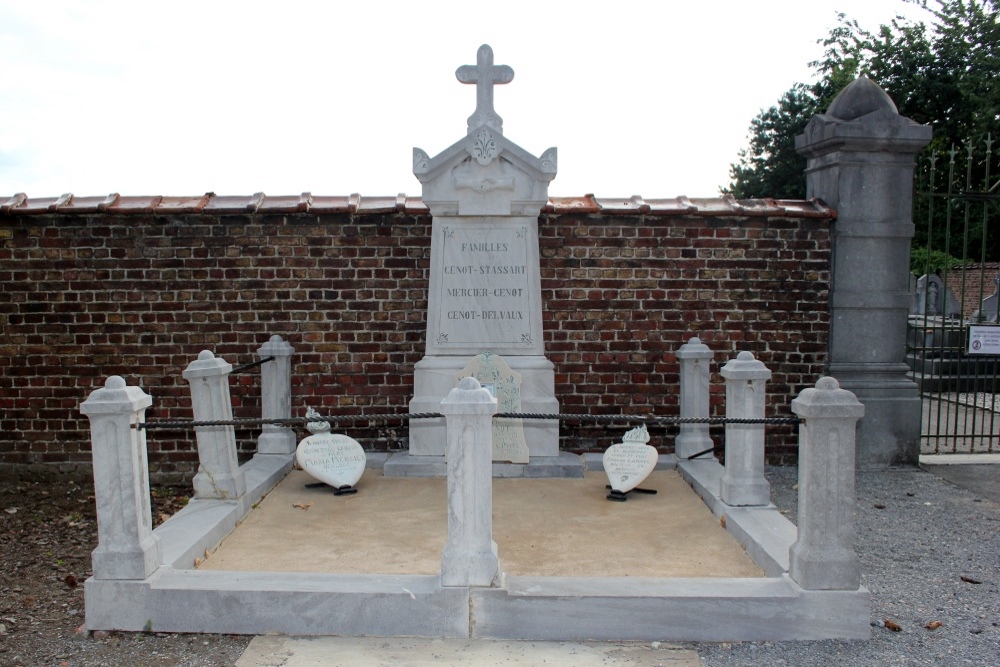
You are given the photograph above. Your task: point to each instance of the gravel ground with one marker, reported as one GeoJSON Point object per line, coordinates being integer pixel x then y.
{"type": "Point", "coordinates": [918, 536]}
{"type": "Point", "coordinates": [930, 553]}
{"type": "Point", "coordinates": [47, 532]}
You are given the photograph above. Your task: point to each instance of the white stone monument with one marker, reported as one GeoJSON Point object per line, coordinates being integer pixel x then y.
{"type": "Point", "coordinates": [485, 194]}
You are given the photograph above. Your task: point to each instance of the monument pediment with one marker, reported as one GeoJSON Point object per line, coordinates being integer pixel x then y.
{"type": "Point", "coordinates": [484, 173]}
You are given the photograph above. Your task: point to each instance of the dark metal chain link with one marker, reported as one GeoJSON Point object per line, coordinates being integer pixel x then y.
{"type": "Point", "coordinates": [405, 416]}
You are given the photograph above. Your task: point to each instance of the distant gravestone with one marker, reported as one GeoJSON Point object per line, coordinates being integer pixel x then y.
{"type": "Point", "coordinates": [989, 311]}
{"type": "Point", "coordinates": [932, 297]}
{"type": "Point", "coordinates": [629, 462]}
{"type": "Point", "coordinates": [332, 458]}
{"type": "Point", "coordinates": [496, 376]}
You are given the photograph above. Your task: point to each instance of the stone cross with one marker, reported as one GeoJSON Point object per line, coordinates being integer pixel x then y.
{"type": "Point", "coordinates": [485, 75]}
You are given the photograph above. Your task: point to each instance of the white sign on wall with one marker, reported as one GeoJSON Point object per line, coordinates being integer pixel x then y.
{"type": "Point", "coordinates": [984, 339]}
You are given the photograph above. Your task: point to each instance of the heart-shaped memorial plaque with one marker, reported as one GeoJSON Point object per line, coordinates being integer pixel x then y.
{"type": "Point", "coordinates": [332, 458]}
{"type": "Point", "coordinates": [628, 463]}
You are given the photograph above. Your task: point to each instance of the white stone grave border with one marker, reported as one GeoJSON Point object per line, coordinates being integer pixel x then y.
{"type": "Point", "coordinates": [148, 580]}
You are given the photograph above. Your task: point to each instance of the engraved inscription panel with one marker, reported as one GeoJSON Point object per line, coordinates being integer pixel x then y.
{"type": "Point", "coordinates": [485, 286]}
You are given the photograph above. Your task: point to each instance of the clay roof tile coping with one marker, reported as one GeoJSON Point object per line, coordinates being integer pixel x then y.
{"type": "Point", "coordinates": [727, 205]}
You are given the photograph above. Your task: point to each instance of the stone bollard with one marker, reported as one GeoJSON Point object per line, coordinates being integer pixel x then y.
{"type": "Point", "coordinates": [470, 554]}
{"type": "Point", "coordinates": [823, 557]}
{"type": "Point", "coordinates": [126, 545]}
{"type": "Point", "coordinates": [219, 475]}
{"type": "Point", "coordinates": [276, 397]}
{"type": "Point", "coordinates": [744, 484]}
{"type": "Point", "coordinates": [695, 358]}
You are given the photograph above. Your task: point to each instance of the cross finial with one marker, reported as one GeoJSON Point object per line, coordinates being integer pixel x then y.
{"type": "Point", "coordinates": [485, 75]}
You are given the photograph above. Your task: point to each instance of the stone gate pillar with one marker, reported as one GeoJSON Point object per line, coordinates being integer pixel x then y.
{"type": "Point", "coordinates": [860, 162]}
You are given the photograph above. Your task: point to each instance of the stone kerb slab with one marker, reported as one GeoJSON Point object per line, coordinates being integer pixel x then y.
{"type": "Point", "coordinates": [176, 598]}
{"type": "Point", "coordinates": [127, 548]}
{"type": "Point", "coordinates": [823, 557]}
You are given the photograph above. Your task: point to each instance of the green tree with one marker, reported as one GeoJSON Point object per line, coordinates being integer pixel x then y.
{"type": "Point", "coordinates": [943, 74]}
{"type": "Point", "coordinates": [770, 166]}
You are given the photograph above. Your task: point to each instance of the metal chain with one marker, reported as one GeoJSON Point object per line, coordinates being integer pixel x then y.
{"type": "Point", "coordinates": [648, 420]}
{"type": "Point", "coordinates": [404, 416]}
{"type": "Point", "coordinates": [245, 367]}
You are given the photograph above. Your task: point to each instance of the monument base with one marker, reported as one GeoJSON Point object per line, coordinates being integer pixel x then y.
{"type": "Point", "coordinates": [434, 377]}
{"type": "Point", "coordinates": [404, 464]}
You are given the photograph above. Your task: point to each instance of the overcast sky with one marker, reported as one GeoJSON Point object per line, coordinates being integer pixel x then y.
{"type": "Point", "coordinates": [182, 98]}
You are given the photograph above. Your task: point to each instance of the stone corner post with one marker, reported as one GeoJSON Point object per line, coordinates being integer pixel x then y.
{"type": "Point", "coordinates": [470, 554]}
{"type": "Point", "coordinates": [219, 475]}
{"type": "Point", "coordinates": [695, 359]}
{"type": "Point", "coordinates": [276, 397]}
{"type": "Point", "coordinates": [860, 161]}
{"type": "Point", "coordinates": [126, 545]}
{"type": "Point", "coordinates": [743, 483]}
{"type": "Point", "coordinates": [823, 557]}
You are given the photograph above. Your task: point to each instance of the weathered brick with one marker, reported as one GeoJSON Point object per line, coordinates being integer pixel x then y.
{"type": "Point", "coordinates": [86, 297]}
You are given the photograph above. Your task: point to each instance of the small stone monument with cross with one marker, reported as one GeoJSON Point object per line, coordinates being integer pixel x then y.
{"type": "Point", "coordinates": [485, 194]}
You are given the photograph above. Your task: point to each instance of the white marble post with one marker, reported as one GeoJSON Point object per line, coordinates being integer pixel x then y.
{"type": "Point", "coordinates": [276, 397]}
{"type": "Point", "coordinates": [126, 545]}
{"type": "Point", "coordinates": [470, 554]}
{"type": "Point", "coordinates": [744, 483]}
{"type": "Point", "coordinates": [695, 358]}
{"type": "Point", "coordinates": [219, 475]}
{"type": "Point", "coordinates": [823, 557]}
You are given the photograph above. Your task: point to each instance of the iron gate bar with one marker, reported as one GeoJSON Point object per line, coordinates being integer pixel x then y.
{"type": "Point", "coordinates": [950, 422]}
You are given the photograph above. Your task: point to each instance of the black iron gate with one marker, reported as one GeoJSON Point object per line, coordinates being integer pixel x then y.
{"type": "Point", "coordinates": [953, 337]}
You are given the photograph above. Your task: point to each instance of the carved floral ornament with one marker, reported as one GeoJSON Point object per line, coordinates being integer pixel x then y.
{"type": "Point", "coordinates": [484, 147]}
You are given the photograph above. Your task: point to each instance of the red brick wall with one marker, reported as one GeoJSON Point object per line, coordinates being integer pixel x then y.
{"type": "Point", "coordinates": [86, 296]}
{"type": "Point", "coordinates": [972, 283]}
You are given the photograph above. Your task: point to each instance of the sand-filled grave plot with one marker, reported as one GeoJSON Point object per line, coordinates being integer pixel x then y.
{"type": "Point", "coordinates": [542, 527]}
